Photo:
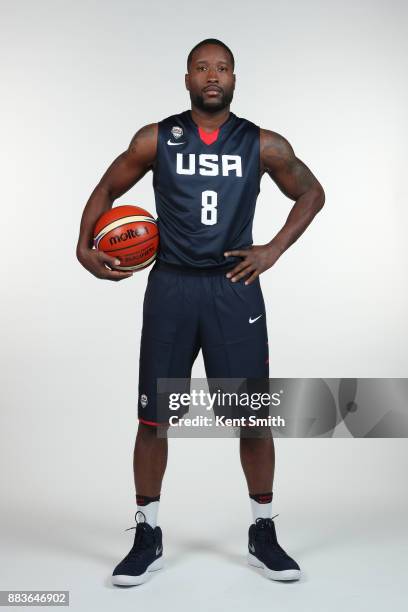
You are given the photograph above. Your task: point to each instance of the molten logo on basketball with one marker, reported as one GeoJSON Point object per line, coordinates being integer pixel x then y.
{"type": "Point", "coordinates": [129, 234]}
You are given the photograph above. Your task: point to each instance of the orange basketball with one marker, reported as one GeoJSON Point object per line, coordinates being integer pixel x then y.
{"type": "Point", "coordinates": [129, 233]}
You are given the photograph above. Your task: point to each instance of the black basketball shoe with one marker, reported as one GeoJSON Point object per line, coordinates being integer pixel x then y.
{"type": "Point", "coordinates": [265, 552]}
{"type": "Point", "coordinates": [146, 555]}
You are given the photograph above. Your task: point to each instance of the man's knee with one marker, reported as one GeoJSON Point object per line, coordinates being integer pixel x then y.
{"type": "Point", "coordinates": [151, 432]}
{"type": "Point", "coordinates": [255, 433]}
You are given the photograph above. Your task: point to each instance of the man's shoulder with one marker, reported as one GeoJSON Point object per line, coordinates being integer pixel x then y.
{"type": "Point", "coordinates": [269, 138]}
{"type": "Point", "coordinates": [144, 142]}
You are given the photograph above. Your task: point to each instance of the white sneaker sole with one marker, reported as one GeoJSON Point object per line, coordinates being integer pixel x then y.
{"type": "Point", "coordinates": [290, 574]}
{"type": "Point", "coordinates": [123, 580]}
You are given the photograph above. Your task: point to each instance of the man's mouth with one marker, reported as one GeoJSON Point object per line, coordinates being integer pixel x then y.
{"type": "Point", "coordinates": [212, 91]}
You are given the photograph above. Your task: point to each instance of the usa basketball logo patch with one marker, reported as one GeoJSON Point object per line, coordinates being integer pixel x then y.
{"type": "Point", "coordinates": [176, 131]}
{"type": "Point", "coordinates": [143, 400]}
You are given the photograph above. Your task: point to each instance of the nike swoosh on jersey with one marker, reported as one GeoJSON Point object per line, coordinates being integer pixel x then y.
{"type": "Point", "coordinates": [159, 549]}
{"type": "Point", "coordinates": [253, 320]}
{"type": "Point", "coordinates": [175, 144]}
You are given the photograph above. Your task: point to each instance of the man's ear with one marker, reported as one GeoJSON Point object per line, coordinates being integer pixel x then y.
{"type": "Point", "coordinates": [187, 81]}
{"type": "Point", "coordinates": [234, 80]}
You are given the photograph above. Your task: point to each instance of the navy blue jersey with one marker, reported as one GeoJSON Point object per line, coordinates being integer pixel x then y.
{"type": "Point", "coordinates": [206, 186]}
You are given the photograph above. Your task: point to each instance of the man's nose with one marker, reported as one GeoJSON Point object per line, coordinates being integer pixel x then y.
{"type": "Point", "coordinates": [212, 75]}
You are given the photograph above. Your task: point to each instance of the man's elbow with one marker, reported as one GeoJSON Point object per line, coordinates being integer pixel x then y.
{"type": "Point", "coordinates": [319, 197]}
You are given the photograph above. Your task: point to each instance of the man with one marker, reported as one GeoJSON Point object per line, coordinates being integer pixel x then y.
{"type": "Point", "coordinates": [204, 290]}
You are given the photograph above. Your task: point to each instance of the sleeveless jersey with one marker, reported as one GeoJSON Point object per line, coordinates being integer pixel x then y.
{"type": "Point", "coordinates": [206, 186]}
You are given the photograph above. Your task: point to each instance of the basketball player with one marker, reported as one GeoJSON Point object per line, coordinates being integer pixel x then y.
{"type": "Point", "coordinates": [203, 291]}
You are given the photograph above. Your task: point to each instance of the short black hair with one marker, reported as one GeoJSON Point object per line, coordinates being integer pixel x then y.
{"type": "Point", "coordinates": [209, 41]}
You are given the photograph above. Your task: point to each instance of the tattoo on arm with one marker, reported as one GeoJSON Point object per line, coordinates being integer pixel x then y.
{"type": "Point", "coordinates": [289, 173]}
{"type": "Point", "coordinates": [143, 138]}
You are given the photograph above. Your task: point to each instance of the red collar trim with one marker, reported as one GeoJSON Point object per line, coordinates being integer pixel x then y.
{"type": "Point", "coordinates": [208, 137]}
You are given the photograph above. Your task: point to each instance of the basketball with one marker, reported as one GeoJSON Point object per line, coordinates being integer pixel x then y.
{"type": "Point", "coordinates": [129, 233]}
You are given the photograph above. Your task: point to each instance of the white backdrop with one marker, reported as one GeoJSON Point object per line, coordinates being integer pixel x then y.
{"type": "Point", "coordinates": [79, 78]}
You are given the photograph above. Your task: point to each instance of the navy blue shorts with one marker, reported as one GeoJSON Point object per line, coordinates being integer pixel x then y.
{"type": "Point", "coordinates": [185, 310]}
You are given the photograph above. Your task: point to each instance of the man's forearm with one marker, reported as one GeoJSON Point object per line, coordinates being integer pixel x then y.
{"type": "Point", "coordinates": [302, 214]}
{"type": "Point", "coordinates": [99, 202]}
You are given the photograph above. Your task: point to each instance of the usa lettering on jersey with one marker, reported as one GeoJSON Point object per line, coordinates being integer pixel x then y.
{"type": "Point", "coordinates": [209, 164]}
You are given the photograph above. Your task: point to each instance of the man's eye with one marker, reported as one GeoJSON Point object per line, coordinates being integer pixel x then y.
{"type": "Point", "coordinates": [223, 68]}
{"type": "Point", "coordinates": [201, 68]}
